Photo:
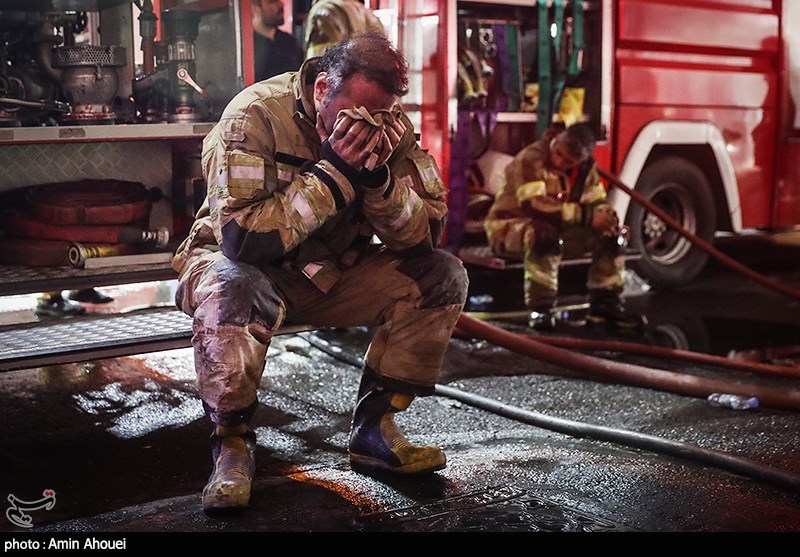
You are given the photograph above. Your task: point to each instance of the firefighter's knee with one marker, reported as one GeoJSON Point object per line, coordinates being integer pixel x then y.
{"type": "Point", "coordinates": [440, 277]}
{"type": "Point", "coordinates": [245, 294]}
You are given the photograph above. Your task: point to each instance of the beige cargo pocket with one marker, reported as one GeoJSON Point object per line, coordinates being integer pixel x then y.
{"type": "Point", "coordinates": [428, 173]}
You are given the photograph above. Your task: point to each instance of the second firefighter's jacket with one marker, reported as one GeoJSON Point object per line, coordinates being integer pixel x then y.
{"type": "Point", "coordinates": [533, 194]}
{"type": "Point", "coordinates": [277, 196]}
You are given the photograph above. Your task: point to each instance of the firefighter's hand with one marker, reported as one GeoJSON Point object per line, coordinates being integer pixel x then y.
{"type": "Point", "coordinates": [605, 221]}
{"type": "Point", "coordinates": [352, 140]}
{"type": "Point", "coordinates": [390, 138]}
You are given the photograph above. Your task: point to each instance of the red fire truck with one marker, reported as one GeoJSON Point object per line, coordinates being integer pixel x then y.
{"type": "Point", "coordinates": [694, 102]}
{"type": "Point", "coordinates": [703, 122]}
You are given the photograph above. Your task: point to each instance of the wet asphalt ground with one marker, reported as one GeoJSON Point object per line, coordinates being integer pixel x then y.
{"type": "Point", "coordinates": [118, 448]}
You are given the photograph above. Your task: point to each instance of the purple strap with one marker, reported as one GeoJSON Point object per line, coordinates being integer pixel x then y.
{"type": "Point", "coordinates": [457, 197]}
{"type": "Point", "coordinates": [504, 66]}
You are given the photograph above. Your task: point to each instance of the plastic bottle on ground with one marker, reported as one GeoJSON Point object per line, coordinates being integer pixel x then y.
{"type": "Point", "coordinates": [734, 402]}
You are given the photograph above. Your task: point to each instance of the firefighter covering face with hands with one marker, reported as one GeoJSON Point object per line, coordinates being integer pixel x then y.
{"type": "Point", "coordinates": [552, 193]}
{"type": "Point", "coordinates": [303, 171]}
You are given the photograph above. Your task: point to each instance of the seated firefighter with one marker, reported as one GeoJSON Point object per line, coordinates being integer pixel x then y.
{"type": "Point", "coordinates": [303, 171]}
{"type": "Point", "coordinates": [551, 193]}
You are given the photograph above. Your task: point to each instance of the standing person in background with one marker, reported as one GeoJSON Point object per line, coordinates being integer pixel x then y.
{"type": "Point", "coordinates": [552, 191]}
{"type": "Point", "coordinates": [330, 21]}
{"type": "Point", "coordinates": [276, 51]}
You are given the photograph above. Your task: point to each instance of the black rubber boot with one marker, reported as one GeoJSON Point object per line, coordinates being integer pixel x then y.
{"type": "Point", "coordinates": [606, 306]}
{"type": "Point", "coordinates": [228, 488]}
{"type": "Point", "coordinates": [56, 306]}
{"type": "Point", "coordinates": [377, 444]}
{"type": "Point", "coordinates": [90, 296]}
{"type": "Point", "coordinates": [542, 318]}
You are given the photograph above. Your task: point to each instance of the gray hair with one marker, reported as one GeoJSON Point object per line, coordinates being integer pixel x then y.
{"type": "Point", "coordinates": [371, 54]}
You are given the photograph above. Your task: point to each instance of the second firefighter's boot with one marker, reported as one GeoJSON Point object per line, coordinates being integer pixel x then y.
{"type": "Point", "coordinates": [606, 306]}
{"type": "Point", "coordinates": [542, 317]}
{"type": "Point", "coordinates": [377, 444]}
{"type": "Point", "coordinates": [228, 488]}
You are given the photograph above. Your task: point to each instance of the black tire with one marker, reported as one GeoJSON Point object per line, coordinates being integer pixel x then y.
{"type": "Point", "coordinates": [678, 187]}
{"type": "Point", "coordinates": [687, 332]}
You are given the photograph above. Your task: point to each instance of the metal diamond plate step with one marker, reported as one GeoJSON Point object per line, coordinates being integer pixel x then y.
{"type": "Point", "coordinates": [19, 279]}
{"type": "Point", "coordinates": [84, 338]}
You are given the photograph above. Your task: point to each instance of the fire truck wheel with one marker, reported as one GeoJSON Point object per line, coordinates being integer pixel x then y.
{"type": "Point", "coordinates": [679, 332]}
{"type": "Point", "coordinates": [678, 187]}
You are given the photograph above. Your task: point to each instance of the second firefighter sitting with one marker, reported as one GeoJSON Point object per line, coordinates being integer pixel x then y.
{"type": "Point", "coordinates": [551, 193]}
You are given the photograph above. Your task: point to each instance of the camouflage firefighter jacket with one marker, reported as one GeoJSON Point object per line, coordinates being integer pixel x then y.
{"type": "Point", "coordinates": [273, 199]}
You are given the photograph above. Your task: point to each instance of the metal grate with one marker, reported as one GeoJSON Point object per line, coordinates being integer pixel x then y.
{"type": "Point", "coordinates": [92, 337]}
{"type": "Point", "coordinates": [80, 339]}
{"type": "Point", "coordinates": [20, 279]}
{"type": "Point", "coordinates": [88, 55]}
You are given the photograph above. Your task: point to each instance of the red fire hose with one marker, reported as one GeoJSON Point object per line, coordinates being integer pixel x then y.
{"type": "Point", "coordinates": [787, 399]}
{"type": "Point", "coordinates": [94, 233]}
{"type": "Point", "coordinates": [90, 202]}
{"type": "Point", "coordinates": [638, 375]}
{"type": "Point", "coordinates": [671, 353]}
{"type": "Point", "coordinates": [109, 215]}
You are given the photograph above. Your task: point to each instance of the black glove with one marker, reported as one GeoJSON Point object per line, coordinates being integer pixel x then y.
{"type": "Point", "coordinates": [372, 179]}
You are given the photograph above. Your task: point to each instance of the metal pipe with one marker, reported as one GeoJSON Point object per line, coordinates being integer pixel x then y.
{"type": "Point", "coordinates": [147, 31]}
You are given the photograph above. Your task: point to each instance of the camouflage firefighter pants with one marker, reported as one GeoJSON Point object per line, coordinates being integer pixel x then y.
{"type": "Point", "coordinates": [542, 257]}
{"type": "Point", "coordinates": [413, 302]}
